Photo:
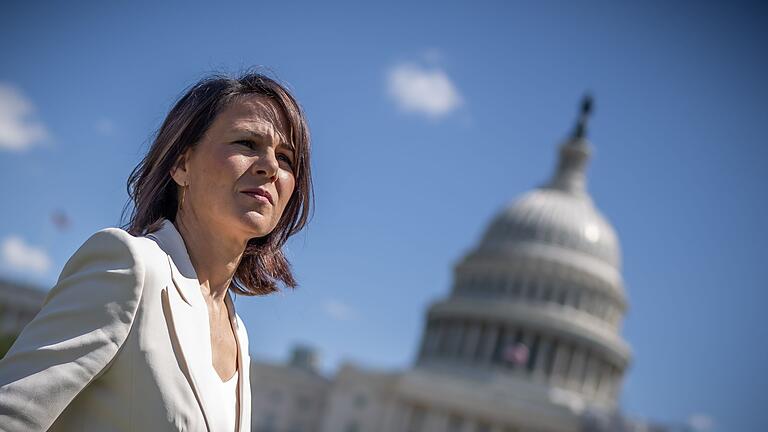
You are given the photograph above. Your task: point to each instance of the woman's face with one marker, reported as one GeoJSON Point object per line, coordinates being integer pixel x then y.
{"type": "Point", "coordinates": [240, 175]}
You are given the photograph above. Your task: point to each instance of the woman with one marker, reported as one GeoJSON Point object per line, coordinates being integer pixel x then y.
{"type": "Point", "coordinates": [140, 333]}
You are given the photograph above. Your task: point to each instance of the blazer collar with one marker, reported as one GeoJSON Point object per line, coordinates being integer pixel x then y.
{"type": "Point", "coordinates": [191, 320]}
{"type": "Point", "coordinates": [182, 271]}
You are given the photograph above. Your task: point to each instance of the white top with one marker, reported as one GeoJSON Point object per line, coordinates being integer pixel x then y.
{"type": "Point", "coordinates": [225, 419]}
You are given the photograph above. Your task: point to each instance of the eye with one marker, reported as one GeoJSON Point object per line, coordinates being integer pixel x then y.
{"type": "Point", "coordinates": [284, 157]}
{"type": "Point", "coordinates": [247, 143]}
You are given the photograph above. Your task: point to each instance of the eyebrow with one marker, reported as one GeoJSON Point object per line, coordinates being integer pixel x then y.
{"type": "Point", "coordinates": [261, 135]}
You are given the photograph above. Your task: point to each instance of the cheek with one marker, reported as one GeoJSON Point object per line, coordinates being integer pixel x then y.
{"type": "Point", "coordinates": [223, 172]}
{"type": "Point", "coordinates": [216, 178]}
{"type": "Point", "coordinates": [285, 187]}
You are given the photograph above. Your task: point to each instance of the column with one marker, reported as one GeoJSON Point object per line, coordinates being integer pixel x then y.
{"type": "Point", "coordinates": [560, 363]}
{"type": "Point", "coordinates": [543, 353]}
{"type": "Point", "coordinates": [590, 378]}
{"type": "Point", "coordinates": [471, 340]}
{"type": "Point", "coordinates": [505, 339]}
{"type": "Point", "coordinates": [605, 383]}
{"type": "Point", "coordinates": [527, 340]}
{"type": "Point", "coordinates": [442, 341]}
{"type": "Point", "coordinates": [576, 368]}
{"type": "Point", "coordinates": [454, 341]}
{"type": "Point", "coordinates": [561, 295]}
{"type": "Point", "coordinates": [535, 345]}
{"type": "Point", "coordinates": [436, 330]}
{"type": "Point", "coordinates": [616, 384]}
{"type": "Point", "coordinates": [515, 288]}
{"type": "Point", "coordinates": [588, 302]}
{"type": "Point", "coordinates": [488, 343]}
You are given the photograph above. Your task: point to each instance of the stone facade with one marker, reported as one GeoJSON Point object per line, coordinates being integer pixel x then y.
{"type": "Point", "coordinates": [289, 397]}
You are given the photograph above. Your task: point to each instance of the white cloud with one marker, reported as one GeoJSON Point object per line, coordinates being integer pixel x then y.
{"type": "Point", "coordinates": [21, 256]}
{"type": "Point", "coordinates": [423, 90]}
{"type": "Point", "coordinates": [339, 311]}
{"type": "Point", "coordinates": [105, 127]}
{"type": "Point", "coordinates": [19, 129]}
{"type": "Point", "coordinates": [700, 422]}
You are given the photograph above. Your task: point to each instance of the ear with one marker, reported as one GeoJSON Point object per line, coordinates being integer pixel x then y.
{"type": "Point", "coordinates": [180, 170]}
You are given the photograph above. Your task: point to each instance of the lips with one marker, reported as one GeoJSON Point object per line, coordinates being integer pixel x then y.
{"type": "Point", "coordinates": [259, 192]}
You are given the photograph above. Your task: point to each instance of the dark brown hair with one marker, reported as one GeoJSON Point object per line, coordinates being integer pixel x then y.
{"type": "Point", "coordinates": [154, 194]}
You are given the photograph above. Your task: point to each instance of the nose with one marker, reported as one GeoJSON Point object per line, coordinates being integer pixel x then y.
{"type": "Point", "coordinates": [267, 165]}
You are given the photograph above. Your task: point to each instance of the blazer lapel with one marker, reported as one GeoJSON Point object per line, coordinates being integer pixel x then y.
{"type": "Point", "coordinates": [189, 315]}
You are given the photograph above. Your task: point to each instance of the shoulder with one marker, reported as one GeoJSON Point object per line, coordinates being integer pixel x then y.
{"type": "Point", "coordinates": [109, 267]}
{"type": "Point", "coordinates": [109, 244]}
{"type": "Point", "coordinates": [112, 249]}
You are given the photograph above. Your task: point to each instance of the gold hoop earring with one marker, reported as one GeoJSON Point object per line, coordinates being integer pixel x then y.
{"type": "Point", "coordinates": [183, 194]}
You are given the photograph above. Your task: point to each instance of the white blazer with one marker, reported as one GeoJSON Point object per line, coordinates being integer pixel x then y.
{"type": "Point", "coordinates": [122, 343]}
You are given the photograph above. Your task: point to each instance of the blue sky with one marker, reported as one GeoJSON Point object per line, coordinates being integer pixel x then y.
{"type": "Point", "coordinates": [408, 177]}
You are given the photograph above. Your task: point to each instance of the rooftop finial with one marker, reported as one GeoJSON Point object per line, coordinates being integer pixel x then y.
{"type": "Point", "coordinates": [574, 153]}
{"type": "Point", "coordinates": [586, 110]}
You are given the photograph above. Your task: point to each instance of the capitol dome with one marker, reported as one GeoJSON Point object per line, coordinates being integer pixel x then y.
{"type": "Point", "coordinates": [536, 306]}
{"type": "Point", "coordinates": [558, 217]}
{"type": "Point", "coordinates": [559, 213]}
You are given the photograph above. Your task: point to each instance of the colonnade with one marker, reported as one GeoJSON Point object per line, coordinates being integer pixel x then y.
{"type": "Point", "coordinates": [518, 287]}
{"type": "Point", "coordinates": [553, 359]}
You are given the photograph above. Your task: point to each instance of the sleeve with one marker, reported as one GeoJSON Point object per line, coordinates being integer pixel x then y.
{"type": "Point", "coordinates": [83, 322]}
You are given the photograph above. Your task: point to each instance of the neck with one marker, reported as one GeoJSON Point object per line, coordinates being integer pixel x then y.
{"type": "Point", "coordinates": [214, 256]}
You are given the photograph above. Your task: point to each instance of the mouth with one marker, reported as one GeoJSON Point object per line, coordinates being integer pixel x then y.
{"type": "Point", "coordinates": [260, 194]}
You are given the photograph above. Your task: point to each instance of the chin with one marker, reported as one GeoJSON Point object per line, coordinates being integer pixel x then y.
{"type": "Point", "coordinates": [257, 225]}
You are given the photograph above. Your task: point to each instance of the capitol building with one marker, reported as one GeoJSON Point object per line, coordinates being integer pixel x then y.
{"type": "Point", "coordinates": [527, 340]}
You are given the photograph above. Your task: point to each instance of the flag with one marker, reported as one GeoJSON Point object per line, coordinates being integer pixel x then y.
{"type": "Point", "coordinates": [517, 354]}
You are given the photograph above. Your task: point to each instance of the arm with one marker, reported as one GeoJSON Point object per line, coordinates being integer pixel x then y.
{"type": "Point", "coordinates": [84, 321]}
